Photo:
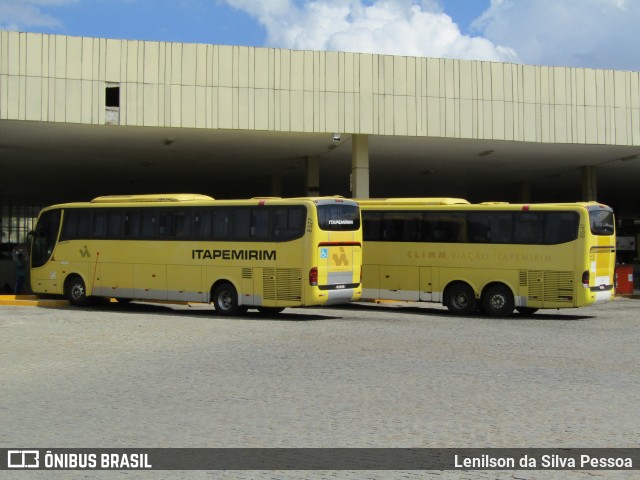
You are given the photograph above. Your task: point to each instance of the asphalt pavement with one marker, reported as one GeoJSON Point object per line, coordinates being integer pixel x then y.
{"type": "Point", "coordinates": [362, 375]}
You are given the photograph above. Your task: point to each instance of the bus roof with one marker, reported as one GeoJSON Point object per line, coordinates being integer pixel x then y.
{"type": "Point", "coordinates": [170, 197]}
{"type": "Point", "coordinates": [193, 199]}
{"type": "Point", "coordinates": [414, 201]}
{"type": "Point", "coordinates": [461, 204]}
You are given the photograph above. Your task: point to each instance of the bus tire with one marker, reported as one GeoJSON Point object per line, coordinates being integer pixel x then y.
{"type": "Point", "coordinates": [526, 310]}
{"type": "Point", "coordinates": [225, 299]}
{"type": "Point", "coordinates": [497, 301]}
{"type": "Point", "coordinates": [76, 291]}
{"type": "Point", "coordinates": [460, 299]}
{"type": "Point", "coordinates": [270, 310]}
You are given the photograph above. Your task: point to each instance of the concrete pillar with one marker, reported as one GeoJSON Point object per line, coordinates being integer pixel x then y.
{"type": "Point", "coordinates": [525, 192]}
{"type": "Point", "coordinates": [276, 185]}
{"type": "Point", "coordinates": [589, 184]}
{"type": "Point", "coordinates": [360, 166]}
{"type": "Point", "coordinates": [313, 176]}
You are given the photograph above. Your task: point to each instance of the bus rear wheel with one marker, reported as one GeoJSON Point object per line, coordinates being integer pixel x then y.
{"type": "Point", "coordinates": [497, 301]}
{"type": "Point", "coordinates": [225, 299]}
{"type": "Point", "coordinates": [76, 292]}
{"type": "Point", "coordinates": [460, 299]}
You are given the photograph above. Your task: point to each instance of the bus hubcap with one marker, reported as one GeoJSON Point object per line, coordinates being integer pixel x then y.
{"type": "Point", "coordinates": [498, 302]}
{"type": "Point", "coordinates": [461, 300]}
{"type": "Point", "coordinates": [225, 300]}
{"type": "Point", "coordinates": [77, 292]}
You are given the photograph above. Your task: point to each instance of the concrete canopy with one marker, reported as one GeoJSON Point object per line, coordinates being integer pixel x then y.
{"type": "Point", "coordinates": [52, 162]}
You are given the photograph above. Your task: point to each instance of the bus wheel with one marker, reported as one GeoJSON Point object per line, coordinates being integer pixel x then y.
{"type": "Point", "coordinates": [225, 299]}
{"type": "Point", "coordinates": [460, 299]}
{"type": "Point", "coordinates": [497, 301]}
{"type": "Point", "coordinates": [76, 292]}
{"type": "Point", "coordinates": [270, 310]}
{"type": "Point", "coordinates": [526, 310]}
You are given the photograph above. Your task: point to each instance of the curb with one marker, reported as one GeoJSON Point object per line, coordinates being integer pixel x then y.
{"type": "Point", "coordinates": [30, 301]}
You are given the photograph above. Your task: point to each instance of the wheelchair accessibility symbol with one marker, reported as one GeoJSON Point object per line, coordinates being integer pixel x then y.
{"type": "Point", "coordinates": [324, 253]}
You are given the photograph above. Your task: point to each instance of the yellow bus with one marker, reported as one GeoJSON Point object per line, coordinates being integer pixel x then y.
{"type": "Point", "coordinates": [264, 253]}
{"type": "Point", "coordinates": [490, 257]}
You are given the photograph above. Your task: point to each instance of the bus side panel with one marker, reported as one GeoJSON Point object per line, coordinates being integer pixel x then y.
{"type": "Point", "coordinates": [184, 283]}
{"type": "Point", "coordinates": [150, 281]}
{"type": "Point", "coordinates": [47, 279]}
{"type": "Point", "coordinates": [399, 282]}
{"type": "Point", "coordinates": [371, 282]}
{"type": "Point", "coordinates": [426, 284]}
{"type": "Point", "coordinates": [114, 280]}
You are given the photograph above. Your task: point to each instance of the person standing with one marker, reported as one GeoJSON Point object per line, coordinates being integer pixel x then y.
{"type": "Point", "coordinates": [21, 270]}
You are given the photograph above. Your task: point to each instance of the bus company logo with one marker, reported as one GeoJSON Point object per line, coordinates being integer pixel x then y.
{"type": "Point", "coordinates": [341, 258]}
{"type": "Point", "coordinates": [233, 255]}
{"type": "Point", "coordinates": [84, 253]}
{"type": "Point", "coordinates": [23, 459]}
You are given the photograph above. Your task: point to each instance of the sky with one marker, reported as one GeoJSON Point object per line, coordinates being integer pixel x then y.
{"type": "Point", "coordinates": [575, 33]}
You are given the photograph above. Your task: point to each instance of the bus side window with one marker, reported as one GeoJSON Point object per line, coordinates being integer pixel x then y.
{"type": "Point", "coordinates": [444, 227]}
{"type": "Point", "coordinates": [560, 227]}
{"type": "Point", "coordinates": [114, 228]}
{"type": "Point", "coordinates": [297, 217]}
{"type": "Point", "coordinates": [132, 223]}
{"type": "Point", "coordinates": [501, 228]}
{"type": "Point", "coordinates": [429, 227]}
{"type": "Point", "coordinates": [99, 229]}
{"type": "Point", "coordinates": [69, 225]}
{"type": "Point", "coordinates": [287, 223]}
{"type": "Point", "coordinates": [165, 224]}
{"type": "Point", "coordinates": [259, 223]}
{"type": "Point", "coordinates": [478, 227]}
{"type": "Point", "coordinates": [148, 223]}
{"type": "Point", "coordinates": [182, 223]}
{"type": "Point", "coordinates": [220, 224]}
{"type": "Point", "coordinates": [202, 224]}
{"type": "Point", "coordinates": [279, 223]}
{"type": "Point", "coordinates": [490, 227]}
{"type": "Point", "coordinates": [76, 224]}
{"type": "Point", "coordinates": [83, 225]}
{"type": "Point", "coordinates": [241, 224]}
{"type": "Point", "coordinates": [372, 225]}
{"type": "Point", "coordinates": [411, 227]}
{"type": "Point", "coordinates": [529, 228]}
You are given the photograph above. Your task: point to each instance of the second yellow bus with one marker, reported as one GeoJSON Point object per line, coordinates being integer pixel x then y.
{"type": "Point", "coordinates": [492, 257]}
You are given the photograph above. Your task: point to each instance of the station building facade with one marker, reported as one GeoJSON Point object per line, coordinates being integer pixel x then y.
{"type": "Point", "coordinates": [361, 124]}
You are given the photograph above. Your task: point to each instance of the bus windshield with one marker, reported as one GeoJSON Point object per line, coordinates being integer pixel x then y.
{"type": "Point", "coordinates": [45, 238]}
{"type": "Point", "coordinates": [601, 222]}
{"type": "Point", "coordinates": [339, 217]}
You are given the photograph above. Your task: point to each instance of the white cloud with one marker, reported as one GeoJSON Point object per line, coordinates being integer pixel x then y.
{"type": "Point", "coordinates": [21, 14]}
{"type": "Point", "coordinates": [581, 33]}
{"type": "Point", "coordinates": [400, 27]}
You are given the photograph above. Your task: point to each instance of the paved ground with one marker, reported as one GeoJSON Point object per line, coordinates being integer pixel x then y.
{"type": "Point", "coordinates": [361, 376]}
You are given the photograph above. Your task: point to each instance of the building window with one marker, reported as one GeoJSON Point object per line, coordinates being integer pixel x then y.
{"type": "Point", "coordinates": [112, 104]}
